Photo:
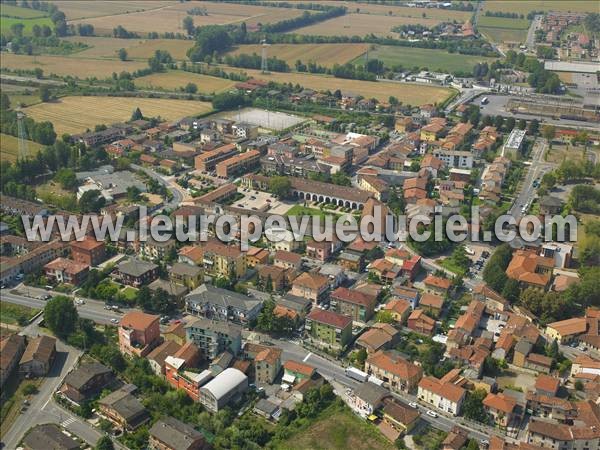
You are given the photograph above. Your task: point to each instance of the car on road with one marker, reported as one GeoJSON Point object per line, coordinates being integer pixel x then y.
{"type": "Point", "coordinates": [485, 443]}
{"type": "Point", "coordinates": [431, 413]}
{"type": "Point", "coordinates": [413, 405]}
{"type": "Point", "coordinates": [114, 320]}
{"type": "Point", "coordinates": [107, 307]}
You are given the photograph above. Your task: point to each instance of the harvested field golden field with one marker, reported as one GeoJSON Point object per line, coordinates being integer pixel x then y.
{"type": "Point", "coordinates": [526, 6]}
{"type": "Point", "coordinates": [175, 79]}
{"type": "Point", "coordinates": [64, 65]}
{"type": "Point", "coordinates": [169, 18]}
{"type": "Point", "coordinates": [362, 24]}
{"type": "Point", "coordinates": [76, 114]}
{"type": "Point", "coordinates": [323, 54]}
{"type": "Point", "coordinates": [413, 94]}
{"type": "Point", "coordinates": [404, 11]}
{"type": "Point", "coordinates": [106, 47]}
{"type": "Point", "coordinates": [81, 9]}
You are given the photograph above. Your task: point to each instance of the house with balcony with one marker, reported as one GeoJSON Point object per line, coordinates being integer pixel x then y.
{"type": "Point", "coordinates": [328, 329]}
{"type": "Point", "coordinates": [399, 374]}
{"type": "Point", "coordinates": [356, 304]}
{"type": "Point", "coordinates": [221, 304]}
{"type": "Point", "coordinates": [139, 333]}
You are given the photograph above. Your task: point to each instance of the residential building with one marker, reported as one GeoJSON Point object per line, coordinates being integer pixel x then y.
{"type": "Point", "coordinates": [63, 270]}
{"type": "Point", "coordinates": [11, 350]}
{"type": "Point", "coordinates": [501, 407]}
{"type": "Point", "coordinates": [207, 161]}
{"type": "Point", "coordinates": [238, 164]}
{"type": "Point", "coordinates": [327, 328]}
{"type": "Point", "coordinates": [295, 371]}
{"type": "Point", "coordinates": [409, 294]}
{"type": "Point", "coordinates": [223, 389]}
{"type": "Point", "coordinates": [221, 304]}
{"type": "Point", "coordinates": [311, 286]}
{"type": "Point", "coordinates": [400, 417]}
{"type": "Point", "coordinates": [136, 273]}
{"type": "Point", "coordinates": [86, 381]}
{"type": "Point", "coordinates": [461, 159]}
{"type": "Point", "coordinates": [421, 323]}
{"type": "Point", "coordinates": [213, 337]}
{"type": "Point", "coordinates": [366, 398]}
{"type": "Point", "coordinates": [530, 270]}
{"type": "Point", "coordinates": [358, 305]}
{"type": "Point", "coordinates": [432, 304]}
{"type": "Point", "coordinates": [399, 374]}
{"type": "Point", "coordinates": [123, 410]}
{"type": "Point", "coordinates": [566, 331]}
{"type": "Point", "coordinates": [157, 250]}
{"type": "Point", "coordinates": [443, 395]}
{"type": "Point", "coordinates": [48, 436]}
{"type": "Point", "coordinates": [399, 309]}
{"type": "Point", "coordinates": [287, 260]}
{"type": "Point", "coordinates": [379, 337]}
{"type": "Point", "coordinates": [139, 333]}
{"type": "Point", "coordinates": [38, 357]}
{"type": "Point", "coordinates": [169, 433]}
{"type": "Point", "coordinates": [267, 365]}
{"type": "Point", "coordinates": [437, 285]}
{"type": "Point", "coordinates": [514, 143]}
{"type": "Point", "coordinates": [88, 251]}
{"type": "Point", "coordinates": [223, 260]}
{"type": "Point", "coordinates": [156, 358]}
{"type": "Point", "coordinates": [186, 275]}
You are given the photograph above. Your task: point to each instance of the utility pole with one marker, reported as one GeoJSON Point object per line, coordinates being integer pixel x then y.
{"type": "Point", "coordinates": [23, 150]}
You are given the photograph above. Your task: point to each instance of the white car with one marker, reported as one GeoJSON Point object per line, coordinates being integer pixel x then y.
{"type": "Point", "coordinates": [413, 405]}
{"type": "Point", "coordinates": [114, 320]}
{"type": "Point", "coordinates": [431, 413]}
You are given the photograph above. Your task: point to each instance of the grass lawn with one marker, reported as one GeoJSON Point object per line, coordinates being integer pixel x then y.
{"type": "Point", "coordinates": [337, 429]}
{"type": "Point", "coordinates": [9, 147]}
{"type": "Point", "coordinates": [503, 34]}
{"type": "Point", "coordinates": [419, 57]}
{"type": "Point", "coordinates": [12, 400]}
{"type": "Point", "coordinates": [429, 438]}
{"type": "Point", "coordinates": [15, 314]}
{"type": "Point", "coordinates": [129, 293]}
{"type": "Point", "coordinates": [449, 264]}
{"type": "Point", "coordinates": [7, 22]}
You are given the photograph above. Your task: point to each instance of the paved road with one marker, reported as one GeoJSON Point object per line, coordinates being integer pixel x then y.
{"type": "Point", "coordinates": [43, 408]}
{"type": "Point", "coordinates": [177, 195]}
{"type": "Point", "coordinates": [91, 309]}
{"type": "Point", "coordinates": [530, 41]}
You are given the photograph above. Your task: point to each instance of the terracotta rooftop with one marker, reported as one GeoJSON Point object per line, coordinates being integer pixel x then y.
{"type": "Point", "coordinates": [289, 257]}
{"type": "Point", "coordinates": [445, 390]}
{"type": "Point", "coordinates": [399, 306]}
{"type": "Point", "coordinates": [432, 301]}
{"type": "Point", "coordinates": [87, 243]}
{"type": "Point", "coordinates": [138, 320]}
{"type": "Point", "coordinates": [395, 364]}
{"type": "Point", "coordinates": [298, 367]}
{"type": "Point", "coordinates": [352, 296]}
{"type": "Point", "coordinates": [569, 327]}
{"type": "Point", "coordinates": [270, 355]}
{"type": "Point", "coordinates": [524, 266]}
{"type": "Point", "coordinates": [329, 318]}
{"type": "Point", "coordinates": [547, 383]}
{"type": "Point", "coordinates": [500, 402]}
{"type": "Point", "coordinates": [438, 282]}
{"type": "Point", "coordinates": [311, 280]}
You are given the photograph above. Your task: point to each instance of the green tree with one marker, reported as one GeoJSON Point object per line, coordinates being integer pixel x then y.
{"type": "Point", "coordinates": [137, 114]}
{"type": "Point", "coordinates": [191, 88]}
{"type": "Point", "coordinates": [188, 25]}
{"type": "Point", "coordinates": [280, 186]}
{"type": "Point", "coordinates": [104, 443]}
{"type": "Point", "coordinates": [549, 132]}
{"type": "Point", "coordinates": [45, 93]}
{"type": "Point", "coordinates": [384, 317]}
{"type": "Point", "coordinates": [4, 102]}
{"type": "Point", "coordinates": [60, 316]}
{"type": "Point", "coordinates": [511, 290]}
{"type": "Point", "coordinates": [17, 29]}
{"type": "Point", "coordinates": [473, 406]}
{"type": "Point", "coordinates": [66, 177]}
{"type": "Point", "coordinates": [534, 127]}
{"type": "Point", "coordinates": [122, 54]}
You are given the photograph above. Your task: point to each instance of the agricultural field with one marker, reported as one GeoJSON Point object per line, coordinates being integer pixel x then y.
{"type": "Point", "coordinates": [20, 95]}
{"type": "Point", "coordinates": [503, 22]}
{"type": "Point", "coordinates": [20, 13]}
{"type": "Point", "coordinates": [174, 80]}
{"type": "Point", "coordinates": [7, 22]}
{"type": "Point", "coordinates": [81, 9]}
{"type": "Point", "coordinates": [323, 54]}
{"type": "Point", "coordinates": [432, 59]}
{"type": "Point", "coordinates": [524, 7]}
{"type": "Point", "coordinates": [9, 147]}
{"type": "Point", "coordinates": [362, 25]}
{"type": "Point", "coordinates": [63, 66]}
{"type": "Point", "coordinates": [407, 93]}
{"type": "Point", "coordinates": [503, 34]}
{"type": "Point", "coordinates": [402, 11]}
{"type": "Point", "coordinates": [169, 18]}
{"type": "Point", "coordinates": [76, 114]}
{"type": "Point", "coordinates": [107, 47]}
{"type": "Point", "coordinates": [337, 429]}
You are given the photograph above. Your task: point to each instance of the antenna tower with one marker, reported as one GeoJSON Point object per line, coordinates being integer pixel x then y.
{"type": "Point", "coordinates": [23, 150]}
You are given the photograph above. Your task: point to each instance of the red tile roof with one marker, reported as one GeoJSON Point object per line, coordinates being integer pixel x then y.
{"type": "Point", "coordinates": [329, 318]}
{"type": "Point", "coordinates": [138, 320]}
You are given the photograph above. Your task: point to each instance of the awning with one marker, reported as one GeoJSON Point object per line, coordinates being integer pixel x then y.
{"type": "Point", "coordinates": [288, 378]}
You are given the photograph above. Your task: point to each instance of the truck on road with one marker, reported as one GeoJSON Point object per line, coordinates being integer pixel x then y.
{"type": "Point", "coordinates": [356, 374]}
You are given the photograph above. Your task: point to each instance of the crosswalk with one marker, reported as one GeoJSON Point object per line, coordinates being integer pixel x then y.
{"type": "Point", "coordinates": [67, 422]}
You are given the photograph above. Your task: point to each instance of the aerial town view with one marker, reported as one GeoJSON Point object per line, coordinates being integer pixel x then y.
{"type": "Point", "coordinates": [300, 224]}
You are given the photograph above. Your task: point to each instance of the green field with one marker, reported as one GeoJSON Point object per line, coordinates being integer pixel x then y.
{"type": "Point", "coordinates": [526, 6]}
{"type": "Point", "coordinates": [503, 34]}
{"type": "Point", "coordinates": [7, 22]}
{"type": "Point", "coordinates": [16, 314]}
{"type": "Point", "coordinates": [432, 59]}
{"type": "Point", "coordinates": [9, 147]}
{"type": "Point", "coordinates": [502, 22]}
{"type": "Point", "coordinates": [337, 429]}
{"type": "Point", "coordinates": [20, 13]}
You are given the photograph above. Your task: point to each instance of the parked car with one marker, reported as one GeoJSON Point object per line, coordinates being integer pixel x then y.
{"type": "Point", "coordinates": [114, 320]}
{"type": "Point", "coordinates": [431, 413]}
{"type": "Point", "coordinates": [413, 405]}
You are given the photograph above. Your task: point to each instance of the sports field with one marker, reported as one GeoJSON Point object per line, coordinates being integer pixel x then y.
{"type": "Point", "coordinates": [362, 25]}
{"type": "Point", "coordinates": [323, 54]}
{"type": "Point", "coordinates": [76, 67]}
{"type": "Point", "coordinates": [526, 6]}
{"type": "Point", "coordinates": [419, 57]}
{"type": "Point", "coordinates": [407, 93]}
{"type": "Point", "coordinates": [169, 18]}
{"type": "Point", "coordinates": [76, 114]}
{"type": "Point", "coordinates": [9, 147]}
{"type": "Point", "coordinates": [107, 47]}
{"type": "Point", "coordinates": [176, 79]}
